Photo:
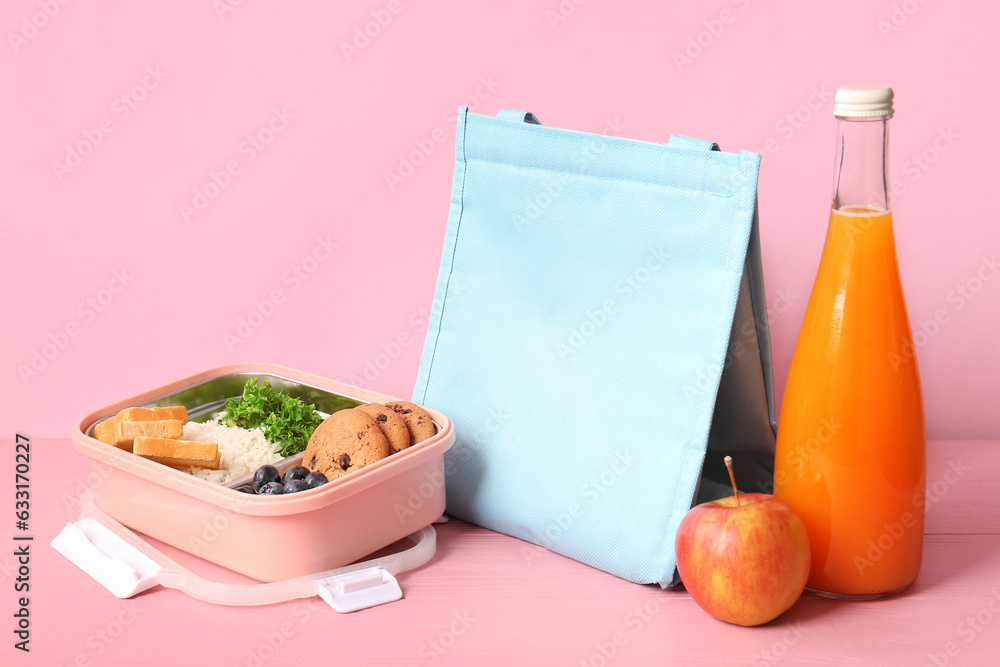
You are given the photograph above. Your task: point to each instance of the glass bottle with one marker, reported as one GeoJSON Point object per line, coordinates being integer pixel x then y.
{"type": "Point", "coordinates": [851, 449]}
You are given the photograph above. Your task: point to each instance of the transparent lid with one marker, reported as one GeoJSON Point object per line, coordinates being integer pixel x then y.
{"type": "Point", "coordinates": [126, 565]}
{"type": "Point", "coordinates": [861, 102]}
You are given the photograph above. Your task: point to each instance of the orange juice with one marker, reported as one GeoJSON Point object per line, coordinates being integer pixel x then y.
{"type": "Point", "coordinates": [850, 454]}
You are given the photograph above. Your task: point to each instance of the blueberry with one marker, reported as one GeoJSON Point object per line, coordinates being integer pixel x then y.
{"type": "Point", "coordinates": [272, 489]}
{"type": "Point", "coordinates": [315, 479]}
{"type": "Point", "coordinates": [295, 486]}
{"type": "Point", "coordinates": [295, 472]}
{"type": "Point", "coordinates": [265, 475]}
{"type": "Point", "coordinates": [245, 488]}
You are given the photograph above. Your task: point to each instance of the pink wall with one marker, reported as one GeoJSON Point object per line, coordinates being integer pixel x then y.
{"type": "Point", "coordinates": [107, 272]}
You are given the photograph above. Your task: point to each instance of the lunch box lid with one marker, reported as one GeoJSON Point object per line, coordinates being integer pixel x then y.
{"type": "Point", "coordinates": [127, 565]}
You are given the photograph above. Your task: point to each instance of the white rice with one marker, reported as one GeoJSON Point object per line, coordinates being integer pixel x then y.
{"type": "Point", "coordinates": [243, 451]}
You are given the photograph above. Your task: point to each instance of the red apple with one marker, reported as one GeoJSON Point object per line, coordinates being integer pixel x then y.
{"type": "Point", "coordinates": [745, 558]}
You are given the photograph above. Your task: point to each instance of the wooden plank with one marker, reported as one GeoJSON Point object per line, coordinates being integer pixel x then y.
{"type": "Point", "coordinates": [490, 600]}
{"type": "Point", "coordinates": [963, 487]}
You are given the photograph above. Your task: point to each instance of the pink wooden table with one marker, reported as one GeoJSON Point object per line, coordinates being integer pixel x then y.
{"type": "Point", "coordinates": [488, 599]}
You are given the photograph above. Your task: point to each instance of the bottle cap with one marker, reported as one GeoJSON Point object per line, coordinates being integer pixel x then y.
{"type": "Point", "coordinates": [857, 101]}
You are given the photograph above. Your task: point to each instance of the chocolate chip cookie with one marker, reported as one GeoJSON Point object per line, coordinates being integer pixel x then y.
{"type": "Point", "coordinates": [393, 426]}
{"type": "Point", "coordinates": [417, 420]}
{"type": "Point", "coordinates": [344, 442]}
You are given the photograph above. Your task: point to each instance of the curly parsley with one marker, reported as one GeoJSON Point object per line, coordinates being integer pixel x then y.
{"type": "Point", "coordinates": [283, 420]}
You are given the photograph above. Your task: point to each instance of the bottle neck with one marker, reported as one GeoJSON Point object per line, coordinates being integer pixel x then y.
{"type": "Point", "coordinates": [860, 177]}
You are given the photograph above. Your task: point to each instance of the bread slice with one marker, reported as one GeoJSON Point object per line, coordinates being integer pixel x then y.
{"type": "Point", "coordinates": [123, 433]}
{"type": "Point", "coordinates": [178, 453]}
{"type": "Point", "coordinates": [178, 412]}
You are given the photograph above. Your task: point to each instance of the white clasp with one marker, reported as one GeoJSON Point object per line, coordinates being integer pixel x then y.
{"type": "Point", "coordinates": [108, 559]}
{"type": "Point", "coordinates": [359, 589]}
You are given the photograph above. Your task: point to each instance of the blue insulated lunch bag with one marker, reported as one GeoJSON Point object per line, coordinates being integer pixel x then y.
{"type": "Point", "coordinates": [599, 337]}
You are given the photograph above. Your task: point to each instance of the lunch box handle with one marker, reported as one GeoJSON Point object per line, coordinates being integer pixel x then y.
{"type": "Point", "coordinates": [199, 588]}
{"type": "Point", "coordinates": [126, 565]}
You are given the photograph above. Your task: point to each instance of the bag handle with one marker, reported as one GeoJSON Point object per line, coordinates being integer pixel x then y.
{"type": "Point", "coordinates": [691, 143]}
{"type": "Point", "coordinates": [676, 140]}
{"type": "Point", "coordinates": [517, 116]}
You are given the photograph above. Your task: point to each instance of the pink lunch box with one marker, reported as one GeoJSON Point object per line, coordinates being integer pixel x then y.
{"type": "Point", "coordinates": [268, 538]}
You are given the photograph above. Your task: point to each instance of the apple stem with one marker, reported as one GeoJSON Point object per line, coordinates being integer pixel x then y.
{"type": "Point", "coordinates": [732, 478]}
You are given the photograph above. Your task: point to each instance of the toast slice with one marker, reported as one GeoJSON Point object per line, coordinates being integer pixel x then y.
{"type": "Point", "coordinates": [123, 434]}
{"type": "Point", "coordinates": [178, 412]}
{"type": "Point", "coordinates": [178, 453]}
